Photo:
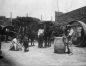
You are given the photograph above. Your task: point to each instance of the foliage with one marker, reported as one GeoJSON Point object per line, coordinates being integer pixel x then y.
{"type": "Point", "coordinates": [26, 25]}
{"type": "Point", "coordinates": [58, 31]}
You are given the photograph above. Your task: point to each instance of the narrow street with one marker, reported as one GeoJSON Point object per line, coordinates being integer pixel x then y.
{"type": "Point", "coordinates": [44, 56]}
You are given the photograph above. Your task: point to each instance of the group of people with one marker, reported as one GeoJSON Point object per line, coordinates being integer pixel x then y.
{"type": "Point", "coordinates": [24, 45]}
{"type": "Point", "coordinates": [44, 38]}
{"type": "Point", "coordinates": [17, 45]}
{"type": "Point", "coordinates": [22, 42]}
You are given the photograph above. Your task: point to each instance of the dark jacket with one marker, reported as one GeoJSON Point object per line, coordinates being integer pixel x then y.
{"type": "Point", "coordinates": [25, 42]}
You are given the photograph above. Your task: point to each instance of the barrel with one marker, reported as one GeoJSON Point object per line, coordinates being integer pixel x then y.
{"type": "Point", "coordinates": [59, 46]}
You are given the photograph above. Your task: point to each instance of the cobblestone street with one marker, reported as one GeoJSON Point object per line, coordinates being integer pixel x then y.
{"type": "Point", "coordinates": [44, 56]}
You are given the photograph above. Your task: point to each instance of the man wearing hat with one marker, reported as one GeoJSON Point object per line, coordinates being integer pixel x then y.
{"type": "Point", "coordinates": [68, 36]}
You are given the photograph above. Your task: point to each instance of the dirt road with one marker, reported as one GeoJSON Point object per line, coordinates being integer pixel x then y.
{"type": "Point", "coordinates": [44, 56]}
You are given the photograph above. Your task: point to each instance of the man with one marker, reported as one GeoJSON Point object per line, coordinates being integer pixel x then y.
{"type": "Point", "coordinates": [25, 44]}
{"type": "Point", "coordinates": [71, 32]}
{"type": "Point", "coordinates": [40, 38]}
{"type": "Point", "coordinates": [70, 39]}
{"type": "Point", "coordinates": [67, 39]}
{"type": "Point", "coordinates": [41, 31]}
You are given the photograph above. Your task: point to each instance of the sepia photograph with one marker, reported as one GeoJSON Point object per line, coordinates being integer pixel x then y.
{"type": "Point", "coordinates": [42, 32]}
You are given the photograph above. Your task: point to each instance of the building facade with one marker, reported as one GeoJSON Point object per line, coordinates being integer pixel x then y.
{"type": "Point", "coordinates": [78, 14]}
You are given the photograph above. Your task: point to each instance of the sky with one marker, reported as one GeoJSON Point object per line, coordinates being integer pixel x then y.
{"type": "Point", "coordinates": [38, 8]}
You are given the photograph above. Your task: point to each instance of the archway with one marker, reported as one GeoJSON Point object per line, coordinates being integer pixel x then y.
{"type": "Point", "coordinates": [80, 40]}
